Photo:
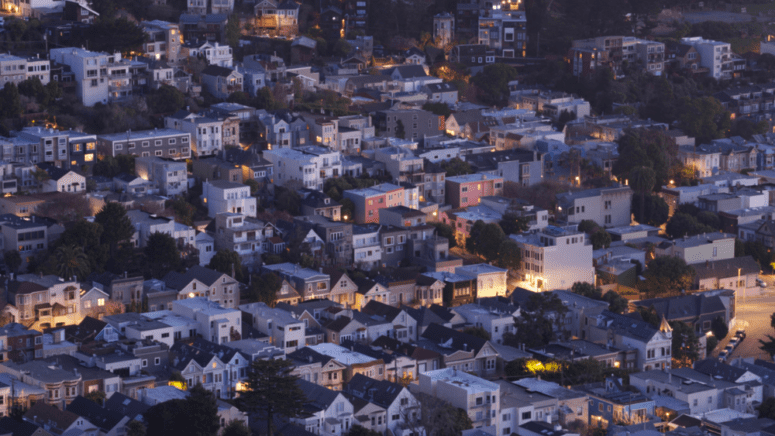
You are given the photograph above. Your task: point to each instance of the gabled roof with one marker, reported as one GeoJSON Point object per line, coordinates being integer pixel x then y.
{"type": "Point", "coordinates": [449, 341]}
{"type": "Point", "coordinates": [375, 308]}
{"type": "Point", "coordinates": [406, 71]}
{"type": "Point", "coordinates": [306, 355]}
{"type": "Point", "coordinates": [415, 352]}
{"type": "Point", "coordinates": [105, 419]}
{"type": "Point", "coordinates": [16, 427]}
{"type": "Point", "coordinates": [51, 415]}
{"type": "Point", "coordinates": [86, 330]}
{"type": "Point", "coordinates": [318, 396]}
{"type": "Point", "coordinates": [719, 369]}
{"type": "Point", "coordinates": [176, 280]}
{"type": "Point", "coordinates": [423, 315]}
{"type": "Point", "coordinates": [126, 406]}
{"type": "Point", "coordinates": [224, 353]}
{"type": "Point", "coordinates": [337, 324]}
{"type": "Point", "coordinates": [215, 70]}
{"type": "Point", "coordinates": [185, 353]}
{"type": "Point", "coordinates": [379, 392]}
{"type": "Point", "coordinates": [684, 306]}
{"type": "Point", "coordinates": [627, 326]}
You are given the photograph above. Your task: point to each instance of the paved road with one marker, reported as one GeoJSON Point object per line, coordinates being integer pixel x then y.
{"type": "Point", "coordinates": [754, 314]}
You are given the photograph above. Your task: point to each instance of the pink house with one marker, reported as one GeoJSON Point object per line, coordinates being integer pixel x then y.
{"type": "Point", "coordinates": [369, 201]}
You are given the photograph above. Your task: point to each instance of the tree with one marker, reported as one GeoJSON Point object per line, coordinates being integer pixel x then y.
{"type": "Point", "coordinates": [472, 241]}
{"type": "Point", "coordinates": [161, 254]}
{"type": "Point", "coordinates": [13, 260]}
{"type": "Point", "coordinates": [226, 261]}
{"type": "Point", "coordinates": [686, 347]}
{"type": "Point", "coordinates": [135, 428]}
{"type": "Point", "coordinates": [703, 118]}
{"type": "Point", "coordinates": [437, 108]}
{"type": "Point", "coordinates": [647, 148]}
{"type": "Point", "coordinates": [600, 239]}
{"type": "Point", "coordinates": [253, 186]}
{"type": "Point", "coordinates": [271, 390]}
{"type": "Point", "coordinates": [445, 231]}
{"type": "Point", "coordinates": [96, 396]}
{"type": "Point", "coordinates": [72, 261]}
{"type": "Point", "coordinates": [115, 224]}
{"type": "Point", "coordinates": [233, 31]}
{"type": "Point", "coordinates": [616, 303]}
{"type": "Point", "coordinates": [667, 275]}
{"type": "Point", "coordinates": [357, 430]}
{"type": "Point", "coordinates": [287, 200]}
{"type": "Point", "coordinates": [439, 418]}
{"type": "Point", "coordinates": [493, 82]}
{"type": "Point", "coordinates": [113, 35]}
{"type": "Point", "coordinates": [588, 226]}
{"type": "Point", "coordinates": [512, 223]}
{"type": "Point", "coordinates": [400, 130]}
{"type": "Point", "coordinates": [348, 209]}
{"type": "Point", "coordinates": [682, 224]}
{"type": "Point", "coordinates": [236, 428]}
{"type": "Point", "coordinates": [509, 254]}
{"type": "Point", "coordinates": [489, 241]}
{"type": "Point", "coordinates": [263, 288]}
{"type": "Point", "coordinates": [642, 180]}
{"type": "Point", "coordinates": [769, 344]}
{"type": "Point", "coordinates": [456, 167]}
{"type": "Point", "coordinates": [709, 219]}
{"type": "Point", "coordinates": [202, 412]}
{"type": "Point", "coordinates": [166, 100]}
{"type": "Point", "coordinates": [653, 209]}
{"type": "Point", "coordinates": [478, 332]}
{"type": "Point", "coordinates": [767, 408]}
{"type": "Point", "coordinates": [65, 207]}
{"type": "Point", "coordinates": [719, 328]}
{"type": "Point", "coordinates": [87, 236]}
{"type": "Point", "coordinates": [10, 101]}
{"type": "Point", "coordinates": [539, 322]}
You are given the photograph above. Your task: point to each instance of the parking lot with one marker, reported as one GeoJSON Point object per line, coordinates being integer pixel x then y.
{"type": "Point", "coordinates": [753, 314]}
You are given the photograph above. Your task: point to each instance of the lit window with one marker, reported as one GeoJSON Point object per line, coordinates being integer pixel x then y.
{"type": "Point", "coordinates": [101, 302]}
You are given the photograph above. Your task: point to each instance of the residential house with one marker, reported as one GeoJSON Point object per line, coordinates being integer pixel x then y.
{"type": "Point", "coordinates": [495, 318]}
{"type": "Point", "coordinates": [218, 324]}
{"type": "Point", "coordinates": [221, 81]}
{"type": "Point", "coordinates": [466, 190]}
{"type": "Point", "coordinates": [310, 283]}
{"type": "Point", "coordinates": [318, 203]}
{"type": "Point", "coordinates": [610, 403]}
{"type": "Point", "coordinates": [61, 180]}
{"type": "Point", "coordinates": [325, 406]}
{"type": "Point", "coordinates": [170, 176]}
{"type": "Point", "coordinates": [249, 237]}
{"type": "Point", "coordinates": [46, 301]}
{"type": "Point", "coordinates": [477, 397]}
{"type": "Point", "coordinates": [621, 331]}
{"type": "Point", "coordinates": [460, 351]}
{"type": "Point", "coordinates": [717, 57]}
{"type": "Point", "coordinates": [311, 366]}
{"type": "Point", "coordinates": [57, 421]}
{"type": "Point", "coordinates": [696, 310]}
{"type": "Point", "coordinates": [284, 330]}
{"type": "Point", "coordinates": [109, 423]}
{"type": "Point", "coordinates": [356, 364]}
{"type": "Point", "coordinates": [222, 196]}
{"type": "Point", "coordinates": [490, 280]}
{"type": "Point", "coordinates": [605, 206]}
{"type": "Point", "coordinates": [168, 143]}
{"type": "Point", "coordinates": [738, 274]}
{"type": "Point", "coordinates": [403, 410]}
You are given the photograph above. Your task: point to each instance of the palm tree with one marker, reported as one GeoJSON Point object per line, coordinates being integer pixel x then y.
{"type": "Point", "coordinates": [71, 261]}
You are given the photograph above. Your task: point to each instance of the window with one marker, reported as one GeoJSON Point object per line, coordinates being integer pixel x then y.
{"type": "Point", "coordinates": [145, 363]}
{"type": "Point", "coordinates": [157, 361]}
{"type": "Point", "coordinates": [100, 302]}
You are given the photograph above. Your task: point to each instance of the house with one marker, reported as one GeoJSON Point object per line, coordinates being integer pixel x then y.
{"type": "Point", "coordinates": [170, 176]}
{"type": "Point", "coordinates": [200, 367]}
{"type": "Point", "coordinates": [318, 203]}
{"type": "Point", "coordinates": [226, 412]}
{"type": "Point", "coordinates": [733, 374]}
{"type": "Point", "coordinates": [10, 427]}
{"type": "Point", "coordinates": [311, 366]}
{"type": "Point", "coordinates": [284, 331]}
{"type": "Point", "coordinates": [579, 308]}
{"type": "Point", "coordinates": [343, 288]}
{"type": "Point", "coordinates": [548, 263]}
{"type": "Point", "coordinates": [326, 406]}
{"type": "Point", "coordinates": [217, 323]}
{"type": "Point", "coordinates": [221, 81]}
{"type": "Point", "coordinates": [402, 408]}
{"type": "Point", "coordinates": [494, 317]}
{"type": "Point", "coordinates": [609, 207]}
{"type": "Point", "coordinates": [610, 402]}
{"type": "Point", "coordinates": [307, 167]}
{"type": "Point", "coordinates": [490, 280]}
{"type": "Point", "coordinates": [109, 423]}
{"type": "Point", "coordinates": [62, 180]}
{"type": "Point", "coordinates": [696, 310]}
{"type": "Point", "coordinates": [738, 274]}
{"type": "Point", "coordinates": [207, 134]}
{"type": "Point", "coordinates": [460, 351]}
{"type": "Point", "coordinates": [717, 57]}
{"type": "Point", "coordinates": [571, 405]}
{"type": "Point", "coordinates": [62, 386]}
{"type": "Point", "coordinates": [442, 93]}
{"type": "Point", "coordinates": [57, 422]}
{"type": "Point", "coordinates": [357, 364]}
{"type": "Point", "coordinates": [466, 190]}
{"type": "Point", "coordinates": [621, 331]}
{"type": "Point", "coordinates": [124, 289]}
{"type": "Point", "coordinates": [247, 236]}
{"type": "Point", "coordinates": [46, 301]}
{"type": "Point", "coordinates": [458, 289]}
{"type": "Point", "coordinates": [472, 55]}
{"type": "Point", "coordinates": [310, 283]}
{"type": "Point", "coordinates": [369, 201]}
{"type": "Point", "coordinates": [404, 326]}
{"type": "Point", "coordinates": [32, 234]}
{"type": "Point", "coordinates": [477, 397]}
{"type": "Point", "coordinates": [222, 196]}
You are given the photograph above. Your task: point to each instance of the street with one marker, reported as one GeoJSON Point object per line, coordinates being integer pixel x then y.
{"type": "Point", "coordinates": [754, 315]}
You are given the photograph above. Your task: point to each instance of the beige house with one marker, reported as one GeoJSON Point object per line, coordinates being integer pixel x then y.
{"type": "Point", "coordinates": [343, 288]}
{"type": "Point", "coordinates": [738, 274]}
{"type": "Point", "coordinates": [700, 248]}
{"type": "Point", "coordinates": [318, 368]}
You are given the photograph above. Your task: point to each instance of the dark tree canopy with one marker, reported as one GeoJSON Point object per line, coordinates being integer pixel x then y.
{"type": "Point", "coordinates": [272, 391]}
{"type": "Point", "coordinates": [161, 254]}
{"type": "Point", "coordinates": [667, 275]}
{"type": "Point", "coordinates": [647, 148]}
{"type": "Point", "coordinates": [655, 209]}
{"type": "Point", "coordinates": [493, 82]}
{"type": "Point", "coordinates": [226, 261]}
{"type": "Point", "coordinates": [116, 226]}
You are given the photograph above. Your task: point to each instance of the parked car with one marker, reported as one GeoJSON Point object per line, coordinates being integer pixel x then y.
{"type": "Point", "coordinates": [734, 341]}
{"type": "Point", "coordinates": [723, 355]}
{"type": "Point", "coordinates": [761, 283]}
{"type": "Point", "coordinates": [729, 348]}
{"type": "Point", "coordinates": [740, 335]}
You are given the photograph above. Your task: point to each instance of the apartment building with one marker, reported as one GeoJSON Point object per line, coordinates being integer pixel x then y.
{"type": "Point", "coordinates": [608, 207]}
{"type": "Point", "coordinates": [212, 52]}
{"type": "Point", "coordinates": [367, 251]}
{"type": "Point", "coordinates": [467, 190]}
{"type": "Point", "coordinates": [704, 162]}
{"type": "Point", "coordinates": [304, 167]}
{"type": "Point", "coordinates": [337, 237]}
{"type": "Point", "coordinates": [247, 236]}
{"type": "Point", "coordinates": [163, 40]}
{"type": "Point", "coordinates": [170, 176]}
{"type": "Point", "coordinates": [495, 318]}
{"type": "Point", "coordinates": [206, 133]}
{"type": "Point", "coordinates": [222, 196]}
{"type": "Point", "coordinates": [400, 162]}
{"type": "Point", "coordinates": [99, 77]}
{"type": "Point", "coordinates": [38, 145]}
{"type": "Point", "coordinates": [283, 130]}
{"type": "Point", "coordinates": [443, 28]}
{"type": "Point", "coordinates": [369, 201]}
{"type": "Point", "coordinates": [477, 397]}
{"type": "Point", "coordinates": [505, 32]}
{"type": "Point", "coordinates": [167, 143]}
{"type": "Point", "coordinates": [14, 69]}
{"type": "Point", "coordinates": [717, 56]}
{"type": "Point", "coordinates": [416, 124]}
{"type": "Point", "coordinates": [28, 235]}
{"type": "Point", "coordinates": [198, 281]}
{"type": "Point", "coordinates": [555, 258]}
{"type": "Point", "coordinates": [47, 301]}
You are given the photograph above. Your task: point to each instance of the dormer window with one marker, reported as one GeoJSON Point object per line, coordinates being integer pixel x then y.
{"type": "Point", "coordinates": [327, 201]}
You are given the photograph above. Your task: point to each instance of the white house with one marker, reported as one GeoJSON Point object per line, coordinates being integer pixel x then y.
{"type": "Point", "coordinates": [216, 324]}
{"type": "Point", "coordinates": [223, 196]}
{"type": "Point", "coordinates": [285, 331]}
